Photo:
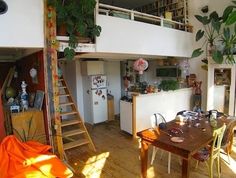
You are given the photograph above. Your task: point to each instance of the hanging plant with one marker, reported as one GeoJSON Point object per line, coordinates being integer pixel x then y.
{"type": "Point", "coordinates": [77, 17]}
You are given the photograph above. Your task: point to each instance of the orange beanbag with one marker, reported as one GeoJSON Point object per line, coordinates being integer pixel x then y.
{"type": "Point", "coordinates": [29, 159]}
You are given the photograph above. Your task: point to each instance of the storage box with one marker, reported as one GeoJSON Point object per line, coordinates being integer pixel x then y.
{"type": "Point", "coordinates": [92, 67]}
{"type": "Point", "coordinates": [110, 107]}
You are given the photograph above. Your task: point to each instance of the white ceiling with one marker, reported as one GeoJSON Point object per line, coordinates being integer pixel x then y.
{"type": "Point", "coordinates": [13, 54]}
{"type": "Point", "coordinates": [117, 56]}
{"type": "Point", "coordinates": [130, 4]}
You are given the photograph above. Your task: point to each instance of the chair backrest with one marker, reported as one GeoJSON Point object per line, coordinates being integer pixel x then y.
{"type": "Point", "coordinates": [157, 119]}
{"type": "Point", "coordinates": [218, 114]}
{"type": "Point", "coordinates": [187, 113]}
{"type": "Point", "coordinates": [217, 139]}
{"type": "Point", "coordinates": [229, 130]}
{"type": "Point", "coordinates": [180, 113]}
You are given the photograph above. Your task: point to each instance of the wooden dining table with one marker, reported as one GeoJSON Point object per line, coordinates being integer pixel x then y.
{"type": "Point", "coordinates": [196, 134]}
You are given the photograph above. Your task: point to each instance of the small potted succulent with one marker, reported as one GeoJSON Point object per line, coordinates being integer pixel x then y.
{"type": "Point", "coordinates": [77, 18]}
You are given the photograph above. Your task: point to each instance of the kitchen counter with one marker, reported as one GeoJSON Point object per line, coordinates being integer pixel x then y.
{"type": "Point", "coordinates": [168, 103]}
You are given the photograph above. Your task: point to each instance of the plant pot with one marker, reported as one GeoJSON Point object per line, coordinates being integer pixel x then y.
{"type": "Point", "coordinates": [82, 39]}
{"type": "Point", "coordinates": [210, 48]}
{"type": "Point", "coordinates": [61, 30]}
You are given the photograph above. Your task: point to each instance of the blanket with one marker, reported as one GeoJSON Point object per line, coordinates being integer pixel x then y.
{"type": "Point", "coordinates": [29, 159]}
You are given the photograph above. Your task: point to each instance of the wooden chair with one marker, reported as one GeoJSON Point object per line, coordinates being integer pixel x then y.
{"type": "Point", "coordinates": [227, 141]}
{"type": "Point", "coordinates": [156, 120]}
{"type": "Point", "coordinates": [209, 154]}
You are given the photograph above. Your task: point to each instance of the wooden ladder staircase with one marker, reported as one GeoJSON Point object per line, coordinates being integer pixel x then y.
{"type": "Point", "coordinates": [73, 131]}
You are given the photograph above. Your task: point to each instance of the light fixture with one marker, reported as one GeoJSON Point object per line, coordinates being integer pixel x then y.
{"type": "Point", "coordinates": [140, 65]}
{"type": "Point", "coordinates": [3, 7]}
{"type": "Point", "coordinates": [33, 74]}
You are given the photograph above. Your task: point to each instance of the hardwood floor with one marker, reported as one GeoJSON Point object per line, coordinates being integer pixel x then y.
{"type": "Point", "coordinates": [117, 156]}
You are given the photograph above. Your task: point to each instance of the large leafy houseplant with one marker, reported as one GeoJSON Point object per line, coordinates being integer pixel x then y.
{"type": "Point", "coordinates": [167, 85]}
{"type": "Point", "coordinates": [78, 18]}
{"type": "Point", "coordinates": [220, 37]}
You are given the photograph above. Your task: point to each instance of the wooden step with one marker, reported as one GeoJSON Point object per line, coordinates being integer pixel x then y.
{"type": "Point", "coordinates": [63, 95]}
{"type": "Point", "coordinates": [75, 144]}
{"type": "Point", "coordinates": [66, 104]}
{"type": "Point", "coordinates": [62, 87]}
{"type": "Point", "coordinates": [67, 113]}
{"type": "Point", "coordinates": [72, 132]}
{"type": "Point", "coordinates": [68, 122]}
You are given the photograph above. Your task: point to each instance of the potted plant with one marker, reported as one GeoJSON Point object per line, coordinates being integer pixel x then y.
{"type": "Point", "coordinates": [220, 39]}
{"type": "Point", "coordinates": [77, 17]}
{"type": "Point", "coordinates": [167, 85]}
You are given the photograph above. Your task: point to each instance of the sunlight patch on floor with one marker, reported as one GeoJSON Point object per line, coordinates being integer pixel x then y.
{"type": "Point", "coordinates": [234, 149]}
{"type": "Point", "coordinates": [38, 159]}
{"type": "Point", "coordinates": [94, 165]}
{"type": "Point", "coordinates": [151, 172]}
{"type": "Point", "coordinates": [230, 163]}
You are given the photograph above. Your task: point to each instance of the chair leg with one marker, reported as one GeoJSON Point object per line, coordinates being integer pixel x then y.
{"type": "Point", "coordinates": [210, 168]}
{"type": "Point", "coordinates": [228, 154]}
{"type": "Point", "coordinates": [218, 166]}
{"type": "Point", "coordinates": [169, 162]}
{"type": "Point", "coordinates": [197, 164]}
{"type": "Point", "coordinates": [154, 151]}
{"type": "Point", "coordinates": [161, 154]}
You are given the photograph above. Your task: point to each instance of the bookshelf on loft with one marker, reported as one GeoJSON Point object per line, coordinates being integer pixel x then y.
{"type": "Point", "coordinates": [178, 8]}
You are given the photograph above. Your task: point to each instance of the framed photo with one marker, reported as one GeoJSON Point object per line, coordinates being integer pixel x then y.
{"type": "Point", "coordinates": [31, 99]}
{"type": "Point", "coordinates": [38, 101]}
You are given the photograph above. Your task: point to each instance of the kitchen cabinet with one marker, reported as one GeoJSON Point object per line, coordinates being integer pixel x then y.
{"type": "Point", "coordinates": [92, 67]}
{"type": "Point", "coordinates": [110, 107]}
{"type": "Point", "coordinates": [126, 116]}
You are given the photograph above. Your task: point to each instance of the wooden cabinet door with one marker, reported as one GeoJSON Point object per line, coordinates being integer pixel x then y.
{"type": "Point", "coordinates": [29, 125]}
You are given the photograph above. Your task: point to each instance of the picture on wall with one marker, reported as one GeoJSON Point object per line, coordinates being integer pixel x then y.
{"type": "Point", "coordinates": [38, 101]}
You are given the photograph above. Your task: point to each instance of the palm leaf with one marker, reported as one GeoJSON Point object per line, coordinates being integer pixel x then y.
{"type": "Point", "coordinates": [231, 18]}
{"type": "Point", "coordinates": [203, 19]}
{"type": "Point", "coordinates": [197, 52]}
{"type": "Point", "coordinates": [217, 56]}
{"type": "Point", "coordinates": [18, 133]}
{"type": "Point", "coordinates": [214, 16]}
{"type": "Point", "coordinates": [216, 25]}
{"type": "Point", "coordinates": [199, 34]}
{"type": "Point", "coordinates": [226, 12]}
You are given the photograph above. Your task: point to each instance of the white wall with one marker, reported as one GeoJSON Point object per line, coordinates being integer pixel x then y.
{"type": "Point", "coordinates": [195, 64]}
{"type": "Point", "coordinates": [23, 24]}
{"type": "Point", "coordinates": [80, 104]}
{"type": "Point", "coordinates": [73, 78]}
{"type": "Point", "coordinates": [166, 103]}
{"type": "Point", "coordinates": [69, 72]}
{"type": "Point", "coordinates": [112, 70]}
{"type": "Point", "coordinates": [126, 36]}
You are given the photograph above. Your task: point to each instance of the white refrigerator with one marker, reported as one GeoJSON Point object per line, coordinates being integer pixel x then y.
{"type": "Point", "coordinates": [95, 98]}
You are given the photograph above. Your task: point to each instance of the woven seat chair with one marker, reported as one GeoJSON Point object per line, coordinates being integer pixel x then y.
{"type": "Point", "coordinates": [211, 153]}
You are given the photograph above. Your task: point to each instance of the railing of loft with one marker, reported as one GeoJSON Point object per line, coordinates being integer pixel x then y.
{"type": "Point", "coordinates": [142, 17]}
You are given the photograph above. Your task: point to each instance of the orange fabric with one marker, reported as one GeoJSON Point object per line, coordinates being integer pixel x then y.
{"type": "Point", "coordinates": [28, 160]}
